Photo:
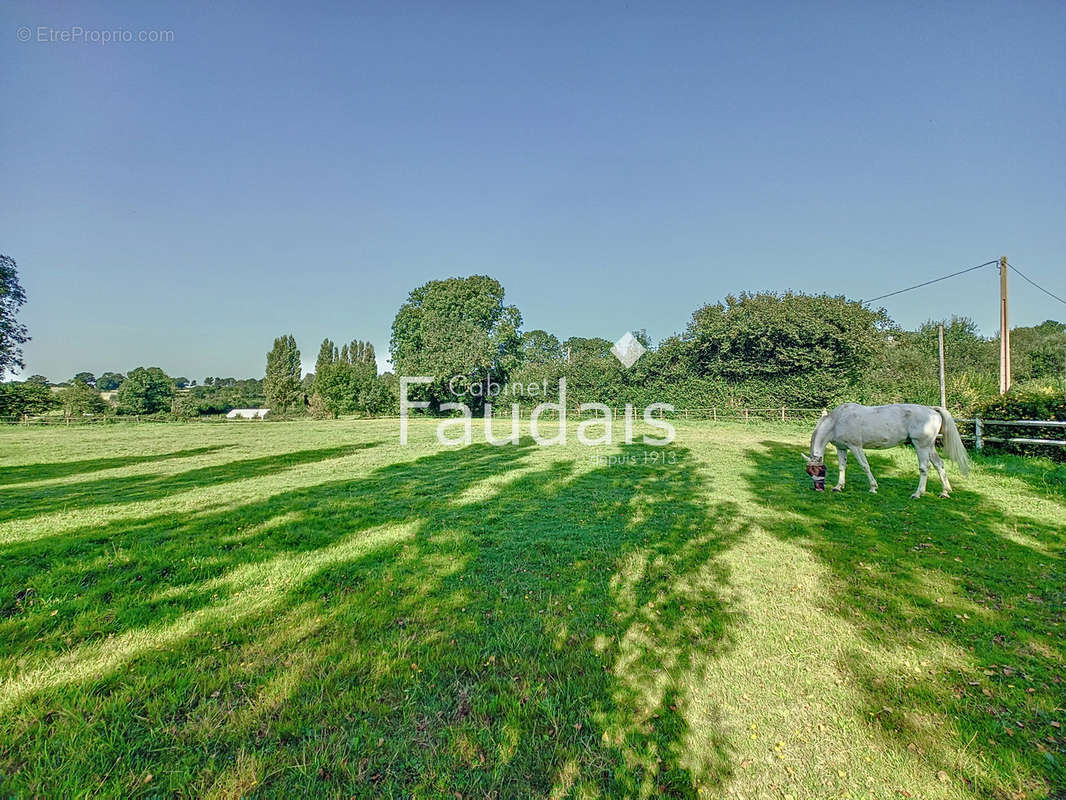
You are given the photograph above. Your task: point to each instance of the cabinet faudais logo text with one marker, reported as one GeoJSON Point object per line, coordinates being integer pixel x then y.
{"type": "Point", "coordinates": [596, 430]}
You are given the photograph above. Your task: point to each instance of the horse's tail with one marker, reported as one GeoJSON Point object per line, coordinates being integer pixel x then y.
{"type": "Point", "coordinates": [953, 447]}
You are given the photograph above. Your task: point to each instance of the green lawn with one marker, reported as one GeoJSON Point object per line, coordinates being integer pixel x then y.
{"type": "Point", "coordinates": [282, 609]}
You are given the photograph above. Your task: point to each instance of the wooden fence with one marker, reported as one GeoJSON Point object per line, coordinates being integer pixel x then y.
{"type": "Point", "coordinates": [87, 419]}
{"type": "Point", "coordinates": [975, 430]}
{"type": "Point", "coordinates": [712, 413]}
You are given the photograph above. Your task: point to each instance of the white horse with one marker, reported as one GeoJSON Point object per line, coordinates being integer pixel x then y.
{"type": "Point", "coordinates": [854, 427]}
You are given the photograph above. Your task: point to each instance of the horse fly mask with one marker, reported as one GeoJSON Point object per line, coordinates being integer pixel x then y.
{"type": "Point", "coordinates": [817, 472]}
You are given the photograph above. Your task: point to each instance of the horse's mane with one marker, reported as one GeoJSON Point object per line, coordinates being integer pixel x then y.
{"type": "Point", "coordinates": [824, 421]}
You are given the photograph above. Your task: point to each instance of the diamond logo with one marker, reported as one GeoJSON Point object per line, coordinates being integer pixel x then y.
{"type": "Point", "coordinates": [628, 350]}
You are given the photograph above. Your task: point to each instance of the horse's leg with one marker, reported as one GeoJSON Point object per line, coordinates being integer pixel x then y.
{"type": "Point", "coordinates": [860, 456]}
{"type": "Point", "coordinates": [842, 459]}
{"type": "Point", "coordinates": [923, 469]}
{"type": "Point", "coordinates": [939, 464]}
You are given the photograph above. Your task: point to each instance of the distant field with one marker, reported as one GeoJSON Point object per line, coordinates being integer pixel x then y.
{"type": "Point", "coordinates": [280, 609]}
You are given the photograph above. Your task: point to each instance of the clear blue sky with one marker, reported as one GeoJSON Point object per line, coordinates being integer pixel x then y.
{"type": "Point", "coordinates": [615, 165]}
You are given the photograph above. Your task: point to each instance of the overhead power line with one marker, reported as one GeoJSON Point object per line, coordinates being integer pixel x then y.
{"type": "Point", "coordinates": [1034, 283]}
{"type": "Point", "coordinates": [937, 280]}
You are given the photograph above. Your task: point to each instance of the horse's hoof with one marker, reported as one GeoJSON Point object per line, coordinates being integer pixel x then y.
{"type": "Point", "coordinates": [945, 494]}
{"type": "Point", "coordinates": [916, 496]}
{"type": "Point", "coordinates": [874, 490]}
{"type": "Point", "coordinates": [838, 488]}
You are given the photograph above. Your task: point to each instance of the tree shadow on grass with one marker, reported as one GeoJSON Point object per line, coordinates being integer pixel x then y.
{"type": "Point", "coordinates": [964, 576]}
{"type": "Point", "coordinates": [24, 473]}
{"type": "Point", "coordinates": [23, 503]}
{"type": "Point", "coordinates": [1045, 477]}
{"type": "Point", "coordinates": [464, 622]}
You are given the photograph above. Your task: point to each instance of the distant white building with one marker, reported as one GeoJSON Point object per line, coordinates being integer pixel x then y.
{"type": "Point", "coordinates": [248, 413]}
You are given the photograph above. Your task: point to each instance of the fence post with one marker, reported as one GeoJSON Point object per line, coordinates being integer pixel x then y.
{"type": "Point", "coordinates": [745, 415]}
{"type": "Point", "coordinates": [714, 413]}
{"type": "Point", "coordinates": [782, 413]}
{"type": "Point", "coordinates": [977, 431]}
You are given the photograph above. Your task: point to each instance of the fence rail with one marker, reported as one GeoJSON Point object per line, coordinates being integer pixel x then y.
{"type": "Point", "coordinates": [88, 419]}
{"type": "Point", "coordinates": [979, 438]}
{"type": "Point", "coordinates": [782, 413]}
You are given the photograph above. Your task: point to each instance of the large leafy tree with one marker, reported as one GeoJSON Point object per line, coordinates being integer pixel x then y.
{"type": "Point", "coordinates": [109, 381]}
{"type": "Point", "coordinates": [540, 347]}
{"type": "Point", "coordinates": [146, 390]}
{"type": "Point", "coordinates": [964, 348]}
{"type": "Point", "coordinates": [459, 327]}
{"type": "Point", "coordinates": [282, 382]}
{"type": "Point", "coordinates": [773, 335]}
{"type": "Point", "coordinates": [578, 349]}
{"type": "Point", "coordinates": [85, 377]}
{"type": "Point", "coordinates": [12, 333]}
{"type": "Point", "coordinates": [542, 363]}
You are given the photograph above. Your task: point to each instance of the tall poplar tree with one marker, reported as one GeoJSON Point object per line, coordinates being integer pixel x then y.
{"type": "Point", "coordinates": [346, 379]}
{"type": "Point", "coordinates": [282, 382]}
{"type": "Point", "coordinates": [327, 354]}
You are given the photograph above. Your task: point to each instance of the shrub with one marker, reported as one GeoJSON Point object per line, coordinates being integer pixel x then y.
{"type": "Point", "coordinates": [184, 406]}
{"type": "Point", "coordinates": [1030, 401]}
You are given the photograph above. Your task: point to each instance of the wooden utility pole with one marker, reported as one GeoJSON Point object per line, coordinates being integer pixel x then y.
{"type": "Point", "coordinates": [943, 394]}
{"type": "Point", "coordinates": [1004, 330]}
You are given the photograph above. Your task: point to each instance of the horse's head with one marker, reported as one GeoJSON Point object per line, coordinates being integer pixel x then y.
{"type": "Point", "coordinates": [816, 469]}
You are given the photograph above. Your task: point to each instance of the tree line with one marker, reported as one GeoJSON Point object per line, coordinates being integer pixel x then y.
{"type": "Point", "coordinates": [144, 391]}
{"type": "Point", "coordinates": [764, 349]}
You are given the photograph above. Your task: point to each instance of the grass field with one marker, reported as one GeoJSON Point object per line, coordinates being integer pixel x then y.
{"type": "Point", "coordinates": [283, 609]}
